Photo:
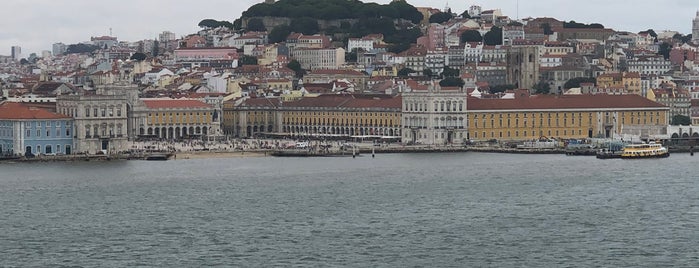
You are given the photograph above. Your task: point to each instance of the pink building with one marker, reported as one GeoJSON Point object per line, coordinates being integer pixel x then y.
{"type": "Point", "coordinates": [434, 38]}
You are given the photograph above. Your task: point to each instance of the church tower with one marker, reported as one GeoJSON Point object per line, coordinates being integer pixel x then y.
{"type": "Point", "coordinates": [695, 29]}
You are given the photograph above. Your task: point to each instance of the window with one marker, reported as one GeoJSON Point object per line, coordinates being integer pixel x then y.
{"type": "Point", "coordinates": [29, 133]}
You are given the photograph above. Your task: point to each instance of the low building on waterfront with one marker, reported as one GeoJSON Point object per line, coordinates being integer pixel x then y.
{"type": "Point", "coordinates": [343, 116]}
{"type": "Point", "coordinates": [28, 130]}
{"type": "Point", "coordinates": [323, 116]}
{"type": "Point", "coordinates": [173, 119]}
{"type": "Point", "coordinates": [566, 117]}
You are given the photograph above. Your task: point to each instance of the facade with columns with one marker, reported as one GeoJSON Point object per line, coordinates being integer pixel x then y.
{"type": "Point", "coordinates": [173, 119]}
{"type": "Point", "coordinates": [322, 116]}
{"type": "Point", "coordinates": [435, 115]}
{"type": "Point", "coordinates": [101, 120]}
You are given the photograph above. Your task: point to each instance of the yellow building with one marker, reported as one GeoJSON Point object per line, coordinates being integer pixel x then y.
{"type": "Point", "coordinates": [176, 119]}
{"type": "Point", "coordinates": [630, 82]}
{"type": "Point", "coordinates": [322, 116]}
{"type": "Point", "coordinates": [564, 117]}
{"type": "Point", "coordinates": [343, 115]}
{"type": "Point", "coordinates": [248, 117]}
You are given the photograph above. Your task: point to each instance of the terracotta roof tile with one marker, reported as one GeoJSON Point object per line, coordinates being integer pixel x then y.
{"type": "Point", "coordinates": [175, 104]}
{"type": "Point", "coordinates": [540, 102]}
{"type": "Point", "coordinates": [14, 110]}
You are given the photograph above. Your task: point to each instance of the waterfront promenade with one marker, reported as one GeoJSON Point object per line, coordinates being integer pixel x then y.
{"type": "Point", "coordinates": [237, 148]}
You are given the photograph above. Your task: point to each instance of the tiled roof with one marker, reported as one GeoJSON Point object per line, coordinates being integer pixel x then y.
{"type": "Point", "coordinates": [541, 102]}
{"type": "Point", "coordinates": [348, 101]}
{"type": "Point", "coordinates": [175, 104]}
{"type": "Point", "coordinates": [261, 102]}
{"type": "Point", "coordinates": [335, 72]}
{"type": "Point", "coordinates": [13, 110]}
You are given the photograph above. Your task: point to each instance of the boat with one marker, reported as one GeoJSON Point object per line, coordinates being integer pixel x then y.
{"type": "Point", "coordinates": [158, 156]}
{"type": "Point", "coordinates": [309, 153]}
{"type": "Point", "coordinates": [607, 154]}
{"type": "Point", "coordinates": [644, 150]}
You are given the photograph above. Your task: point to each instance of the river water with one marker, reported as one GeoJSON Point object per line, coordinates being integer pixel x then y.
{"type": "Point", "coordinates": [395, 210]}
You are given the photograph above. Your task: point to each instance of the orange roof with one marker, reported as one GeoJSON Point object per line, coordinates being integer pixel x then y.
{"type": "Point", "coordinates": [543, 102]}
{"type": "Point", "coordinates": [14, 110]}
{"type": "Point", "coordinates": [349, 101]}
{"type": "Point", "coordinates": [175, 104]}
{"type": "Point", "coordinates": [335, 71]}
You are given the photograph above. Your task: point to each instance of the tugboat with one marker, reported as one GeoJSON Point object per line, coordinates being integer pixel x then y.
{"type": "Point", "coordinates": [649, 150]}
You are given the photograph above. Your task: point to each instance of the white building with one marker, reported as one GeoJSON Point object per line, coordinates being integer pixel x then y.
{"type": "Point", "coordinates": [434, 116]}
{"type": "Point", "coordinates": [59, 49]}
{"type": "Point", "coordinates": [363, 43]}
{"type": "Point", "coordinates": [101, 120]}
{"type": "Point", "coordinates": [319, 58]}
{"type": "Point", "coordinates": [166, 36]}
{"type": "Point", "coordinates": [649, 65]}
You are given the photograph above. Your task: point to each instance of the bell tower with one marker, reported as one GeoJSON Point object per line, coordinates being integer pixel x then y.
{"type": "Point", "coordinates": [695, 29]}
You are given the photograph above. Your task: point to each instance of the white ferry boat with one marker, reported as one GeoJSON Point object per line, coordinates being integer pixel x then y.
{"type": "Point", "coordinates": [645, 150]}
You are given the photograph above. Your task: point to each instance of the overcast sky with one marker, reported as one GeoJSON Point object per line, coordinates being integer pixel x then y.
{"type": "Point", "coordinates": [36, 24]}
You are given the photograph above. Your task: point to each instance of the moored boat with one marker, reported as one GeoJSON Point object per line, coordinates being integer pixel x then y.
{"type": "Point", "coordinates": [645, 150]}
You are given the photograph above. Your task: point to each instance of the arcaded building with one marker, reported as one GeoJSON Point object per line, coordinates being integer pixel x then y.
{"type": "Point", "coordinates": [565, 117]}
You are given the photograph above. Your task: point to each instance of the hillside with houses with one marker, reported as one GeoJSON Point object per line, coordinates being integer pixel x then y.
{"type": "Point", "coordinates": [340, 69]}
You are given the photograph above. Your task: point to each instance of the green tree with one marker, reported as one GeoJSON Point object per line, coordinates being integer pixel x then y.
{"type": "Point", "coordinates": [227, 24]}
{"type": "Point", "coordinates": [493, 37]}
{"type": "Point", "coordinates": [542, 88]}
{"type": "Point", "coordinates": [398, 48]}
{"type": "Point", "coordinates": [296, 67]}
{"type": "Point", "coordinates": [405, 72]}
{"type": "Point", "coordinates": [452, 82]}
{"type": "Point", "coordinates": [81, 48]}
{"type": "Point", "coordinates": [247, 60]}
{"type": "Point", "coordinates": [651, 32]}
{"type": "Point", "coordinates": [450, 72]}
{"type": "Point", "coordinates": [209, 23]}
{"type": "Point", "coordinates": [576, 81]}
{"type": "Point", "coordinates": [427, 72]}
{"type": "Point", "coordinates": [256, 25]}
{"type": "Point", "coordinates": [440, 17]}
{"type": "Point", "coordinates": [237, 24]}
{"type": "Point", "coordinates": [351, 56]}
{"type": "Point", "coordinates": [279, 34]}
{"type": "Point", "coordinates": [407, 11]}
{"type": "Point", "coordinates": [471, 36]}
{"type": "Point", "coordinates": [138, 56]}
{"type": "Point", "coordinates": [305, 25]}
{"type": "Point", "coordinates": [680, 120]}
{"type": "Point", "coordinates": [156, 48]}
{"type": "Point", "coordinates": [465, 15]}
{"type": "Point", "coordinates": [664, 50]}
